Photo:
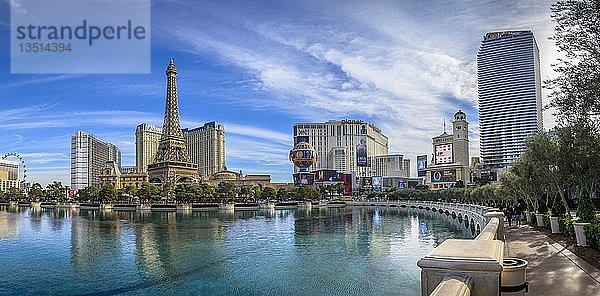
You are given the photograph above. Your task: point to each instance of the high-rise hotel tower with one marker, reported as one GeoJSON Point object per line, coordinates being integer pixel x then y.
{"type": "Point", "coordinates": [147, 137]}
{"type": "Point", "coordinates": [346, 146]}
{"type": "Point", "coordinates": [205, 145]}
{"type": "Point", "coordinates": [89, 155]}
{"type": "Point", "coordinates": [509, 89]}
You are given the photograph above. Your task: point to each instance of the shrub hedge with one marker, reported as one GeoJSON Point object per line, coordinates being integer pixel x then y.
{"type": "Point", "coordinates": [592, 233]}
{"type": "Point", "coordinates": [585, 208]}
{"type": "Point", "coordinates": [546, 219]}
{"type": "Point", "coordinates": [566, 226]}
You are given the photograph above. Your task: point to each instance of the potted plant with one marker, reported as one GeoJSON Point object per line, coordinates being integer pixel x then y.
{"type": "Point", "coordinates": [528, 213]}
{"type": "Point", "coordinates": [557, 210]}
{"type": "Point", "coordinates": [586, 213]}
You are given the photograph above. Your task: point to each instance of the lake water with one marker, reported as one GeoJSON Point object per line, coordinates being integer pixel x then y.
{"type": "Point", "coordinates": [344, 251]}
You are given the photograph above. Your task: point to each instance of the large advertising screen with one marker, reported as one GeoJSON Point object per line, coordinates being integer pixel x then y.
{"type": "Point", "coordinates": [443, 176]}
{"type": "Point", "coordinates": [347, 178]}
{"type": "Point", "coordinates": [443, 154]}
{"type": "Point", "coordinates": [376, 183]}
{"type": "Point", "coordinates": [421, 165]}
{"type": "Point", "coordinates": [298, 139]}
{"type": "Point", "coordinates": [361, 151]}
{"type": "Point", "coordinates": [401, 184]}
{"type": "Point", "coordinates": [366, 183]}
{"type": "Point", "coordinates": [304, 179]}
{"type": "Point", "coordinates": [328, 176]}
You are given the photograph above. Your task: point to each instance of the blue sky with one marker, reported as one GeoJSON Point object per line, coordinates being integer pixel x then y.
{"type": "Point", "coordinates": [261, 66]}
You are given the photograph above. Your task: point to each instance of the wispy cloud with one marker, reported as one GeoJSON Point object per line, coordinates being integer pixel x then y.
{"type": "Point", "coordinates": [403, 65]}
{"type": "Point", "coordinates": [32, 118]}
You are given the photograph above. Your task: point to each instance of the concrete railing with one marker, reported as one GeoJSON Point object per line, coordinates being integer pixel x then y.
{"type": "Point", "coordinates": [464, 267]}
{"type": "Point", "coordinates": [460, 285]}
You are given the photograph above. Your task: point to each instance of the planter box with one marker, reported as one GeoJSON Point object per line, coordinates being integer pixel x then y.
{"type": "Point", "coordinates": [580, 233]}
{"type": "Point", "coordinates": [539, 218]}
{"type": "Point", "coordinates": [554, 225]}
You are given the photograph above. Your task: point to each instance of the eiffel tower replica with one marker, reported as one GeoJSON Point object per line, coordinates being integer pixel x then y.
{"type": "Point", "coordinates": [172, 162]}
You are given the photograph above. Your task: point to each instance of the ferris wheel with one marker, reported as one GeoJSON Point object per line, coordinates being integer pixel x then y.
{"type": "Point", "coordinates": [22, 164]}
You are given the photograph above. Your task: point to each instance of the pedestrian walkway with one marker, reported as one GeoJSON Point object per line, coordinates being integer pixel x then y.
{"type": "Point", "coordinates": [552, 270]}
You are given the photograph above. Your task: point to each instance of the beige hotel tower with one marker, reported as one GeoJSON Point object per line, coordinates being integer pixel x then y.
{"type": "Point", "coordinates": [205, 146]}
{"type": "Point", "coordinates": [450, 159]}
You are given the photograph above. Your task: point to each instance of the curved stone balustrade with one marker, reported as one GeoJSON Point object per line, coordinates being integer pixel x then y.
{"type": "Point", "coordinates": [467, 214]}
{"type": "Point", "coordinates": [465, 267]}
{"type": "Point", "coordinates": [460, 285]}
{"type": "Point", "coordinates": [459, 267]}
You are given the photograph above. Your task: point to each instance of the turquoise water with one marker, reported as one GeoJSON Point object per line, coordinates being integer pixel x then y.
{"type": "Point", "coordinates": [346, 251]}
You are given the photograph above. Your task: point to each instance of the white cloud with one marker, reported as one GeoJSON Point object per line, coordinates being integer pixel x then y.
{"type": "Point", "coordinates": [402, 65]}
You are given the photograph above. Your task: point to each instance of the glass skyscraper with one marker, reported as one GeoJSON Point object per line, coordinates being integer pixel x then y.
{"type": "Point", "coordinates": [509, 89]}
{"type": "Point", "coordinates": [89, 155]}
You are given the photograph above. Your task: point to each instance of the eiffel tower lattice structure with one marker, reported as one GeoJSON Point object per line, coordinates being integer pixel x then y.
{"type": "Point", "coordinates": [172, 162]}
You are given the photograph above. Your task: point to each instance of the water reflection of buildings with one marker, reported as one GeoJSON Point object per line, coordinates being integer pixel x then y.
{"type": "Point", "coordinates": [364, 230]}
{"type": "Point", "coordinates": [430, 227]}
{"type": "Point", "coordinates": [94, 239]}
{"type": "Point", "coordinates": [164, 238]}
{"type": "Point", "coordinates": [378, 231]}
{"type": "Point", "coordinates": [9, 224]}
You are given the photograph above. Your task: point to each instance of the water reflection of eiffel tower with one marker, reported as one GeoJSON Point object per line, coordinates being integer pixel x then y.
{"type": "Point", "coordinates": [172, 162]}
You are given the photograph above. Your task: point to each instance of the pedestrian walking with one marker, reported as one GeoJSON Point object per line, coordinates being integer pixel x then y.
{"type": "Point", "coordinates": [518, 213]}
{"type": "Point", "coordinates": [509, 214]}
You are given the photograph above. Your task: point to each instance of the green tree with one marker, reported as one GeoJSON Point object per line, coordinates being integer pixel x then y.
{"type": "Point", "coordinates": [186, 192]}
{"type": "Point", "coordinates": [585, 208]}
{"type": "Point", "coordinates": [257, 192]}
{"type": "Point", "coordinates": [13, 193]}
{"type": "Point", "coordinates": [149, 192]}
{"type": "Point", "coordinates": [282, 194]}
{"type": "Point", "coordinates": [55, 191]}
{"type": "Point", "coordinates": [293, 194]}
{"type": "Point", "coordinates": [246, 192]}
{"type": "Point", "coordinates": [576, 90]}
{"type": "Point", "coordinates": [226, 191]}
{"type": "Point", "coordinates": [302, 192]}
{"type": "Point", "coordinates": [91, 193]}
{"type": "Point", "coordinates": [313, 194]}
{"type": "Point", "coordinates": [206, 191]}
{"type": "Point", "coordinates": [558, 209]}
{"type": "Point", "coordinates": [108, 193]}
{"type": "Point", "coordinates": [553, 163]}
{"type": "Point", "coordinates": [168, 190]}
{"type": "Point", "coordinates": [267, 193]}
{"type": "Point", "coordinates": [340, 188]}
{"type": "Point", "coordinates": [130, 190]}
{"type": "Point", "coordinates": [36, 192]}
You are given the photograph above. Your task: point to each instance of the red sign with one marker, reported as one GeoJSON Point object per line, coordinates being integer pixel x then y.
{"type": "Point", "coordinates": [347, 178]}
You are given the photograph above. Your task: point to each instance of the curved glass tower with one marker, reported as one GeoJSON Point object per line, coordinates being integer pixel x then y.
{"type": "Point", "coordinates": [509, 90]}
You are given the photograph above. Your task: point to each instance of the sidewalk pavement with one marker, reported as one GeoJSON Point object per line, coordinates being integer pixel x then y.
{"type": "Point", "coordinates": [552, 269]}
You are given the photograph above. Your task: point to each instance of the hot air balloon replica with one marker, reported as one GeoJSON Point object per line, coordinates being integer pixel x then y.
{"type": "Point", "coordinates": [303, 155]}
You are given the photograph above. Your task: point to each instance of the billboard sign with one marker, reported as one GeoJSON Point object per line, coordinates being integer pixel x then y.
{"type": "Point", "coordinates": [421, 165]}
{"type": "Point", "coordinates": [443, 154]}
{"type": "Point", "coordinates": [304, 179]}
{"type": "Point", "coordinates": [347, 179]}
{"type": "Point", "coordinates": [328, 176]}
{"type": "Point", "coordinates": [413, 184]}
{"type": "Point", "coordinates": [376, 183]}
{"type": "Point", "coordinates": [298, 139]}
{"type": "Point", "coordinates": [401, 184]}
{"type": "Point", "coordinates": [443, 176]}
{"type": "Point", "coordinates": [361, 151]}
{"type": "Point", "coordinates": [366, 183]}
